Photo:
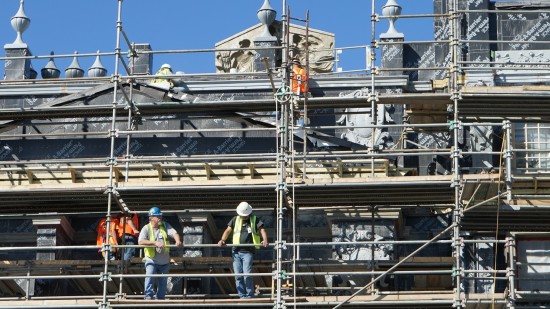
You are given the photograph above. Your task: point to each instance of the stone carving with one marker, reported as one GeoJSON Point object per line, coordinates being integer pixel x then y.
{"type": "Point", "coordinates": [241, 60]}
{"type": "Point", "coordinates": [321, 49]}
{"type": "Point", "coordinates": [358, 118]}
{"type": "Point", "coordinates": [321, 55]}
{"type": "Point", "coordinates": [512, 58]}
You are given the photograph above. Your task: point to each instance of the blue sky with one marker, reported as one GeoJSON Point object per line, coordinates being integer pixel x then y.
{"type": "Point", "coordinates": [65, 26]}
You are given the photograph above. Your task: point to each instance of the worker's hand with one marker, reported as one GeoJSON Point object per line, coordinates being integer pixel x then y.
{"type": "Point", "coordinates": [265, 243]}
{"type": "Point", "coordinates": [135, 231]}
{"type": "Point", "coordinates": [159, 244]}
{"type": "Point", "coordinates": [221, 243]}
{"type": "Point", "coordinates": [179, 243]}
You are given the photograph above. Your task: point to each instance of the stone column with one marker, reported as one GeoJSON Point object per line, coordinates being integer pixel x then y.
{"type": "Point", "coordinates": [142, 64]}
{"type": "Point", "coordinates": [15, 69]}
{"type": "Point", "coordinates": [197, 229]}
{"type": "Point", "coordinates": [392, 55]}
{"type": "Point", "coordinates": [53, 231]}
{"type": "Point", "coordinates": [442, 31]}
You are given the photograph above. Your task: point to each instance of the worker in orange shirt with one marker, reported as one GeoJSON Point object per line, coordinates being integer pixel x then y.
{"type": "Point", "coordinates": [127, 233]}
{"type": "Point", "coordinates": [299, 78]}
{"type": "Point", "coordinates": [102, 236]}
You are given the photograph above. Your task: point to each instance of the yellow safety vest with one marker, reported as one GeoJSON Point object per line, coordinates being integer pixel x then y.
{"type": "Point", "coordinates": [162, 72]}
{"type": "Point", "coordinates": [150, 252]}
{"type": "Point", "coordinates": [237, 231]}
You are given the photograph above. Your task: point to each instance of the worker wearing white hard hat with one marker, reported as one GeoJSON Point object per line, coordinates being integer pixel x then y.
{"type": "Point", "coordinates": [164, 70]}
{"type": "Point", "coordinates": [247, 229]}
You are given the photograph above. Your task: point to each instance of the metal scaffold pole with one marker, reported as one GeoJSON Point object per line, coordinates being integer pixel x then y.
{"type": "Point", "coordinates": [106, 276]}
{"type": "Point", "coordinates": [456, 153]}
{"type": "Point", "coordinates": [282, 104]}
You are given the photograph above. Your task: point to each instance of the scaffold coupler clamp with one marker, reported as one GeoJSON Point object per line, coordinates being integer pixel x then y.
{"type": "Point", "coordinates": [104, 305]}
{"type": "Point", "coordinates": [111, 161]}
{"type": "Point", "coordinates": [458, 242]}
{"type": "Point", "coordinates": [279, 305]}
{"type": "Point", "coordinates": [105, 277]}
{"type": "Point", "coordinates": [455, 125]}
{"type": "Point", "coordinates": [282, 245]}
{"type": "Point", "coordinates": [106, 247]}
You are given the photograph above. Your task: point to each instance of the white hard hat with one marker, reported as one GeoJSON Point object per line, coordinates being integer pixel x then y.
{"type": "Point", "coordinates": [166, 66]}
{"type": "Point", "coordinates": [244, 209]}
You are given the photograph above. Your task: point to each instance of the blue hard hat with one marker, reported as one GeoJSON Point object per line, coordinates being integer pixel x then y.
{"type": "Point", "coordinates": [155, 212]}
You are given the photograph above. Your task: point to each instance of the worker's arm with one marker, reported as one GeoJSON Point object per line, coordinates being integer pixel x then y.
{"type": "Point", "coordinates": [132, 225]}
{"type": "Point", "coordinates": [143, 241]}
{"type": "Point", "coordinates": [225, 235]}
{"type": "Point", "coordinates": [264, 237]}
{"type": "Point", "coordinates": [177, 239]}
{"type": "Point", "coordinates": [153, 243]}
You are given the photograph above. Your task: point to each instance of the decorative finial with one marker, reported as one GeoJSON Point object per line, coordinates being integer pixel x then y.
{"type": "Point", "coordinates": [97, 69]}
{"type": "Point", "coordinates": [391, 10]}
{"type": "Point", "coordinates": [266, 14]}
{"type": "Point", "coordinates": [20, 22]}
{"type": "Point", "coordinates": [50, 70]}
{"type": "Point", "coordinates": [74, 70]}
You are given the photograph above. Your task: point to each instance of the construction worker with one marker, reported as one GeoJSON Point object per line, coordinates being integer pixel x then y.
{"type": "Point", "coordinates": [127, 233]}
{"type": "Point", "coordinates": [156, 235]}
{"type": "Point", "coordinates": [101, 238]}
{"type": "Point", "coordinates": [246, 229]}
{"type": "Point", "coordinates": [164, 70]}
{"type": "Point", "coordinates": [299, 78]}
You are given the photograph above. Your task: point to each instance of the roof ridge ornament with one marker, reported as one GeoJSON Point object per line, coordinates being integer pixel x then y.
{"type": "Point", "coordinates": [74, 70]}
{"type": "Point", "coordinates": [97, 69]}
{"type": "Point", "coordinates": [20, 22]}
{"type": "Point", "coordinates": [50, 70]}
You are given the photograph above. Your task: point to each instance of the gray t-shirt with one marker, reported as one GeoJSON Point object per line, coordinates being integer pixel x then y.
{"type": "Point", "coordinates": [161, 257]}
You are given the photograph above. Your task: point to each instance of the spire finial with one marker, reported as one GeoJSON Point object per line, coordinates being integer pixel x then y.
{"type": "Point", "coordinates": [266, 14]}
{"type": "Point", "coordinates": [74, 70]}
{"type": "Point", "coordinates": [97, 69]}
{"type": "Point", "coordinates": [20, 22]}
{"type": "Point", "coordinates": [391, 10]}
{"type": "Point", "coordinates": [50, 70]}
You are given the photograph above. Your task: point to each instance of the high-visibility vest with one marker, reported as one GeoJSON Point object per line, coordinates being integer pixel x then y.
{"type": "Point", "coordinates": [102, 232]}
{"type": "Point", "coordinates": [150, 252]}
{"type": "Point", "coordinates": [237, 231]}
{"type": "Point", "coordinates": [161, 72]}
{"type": "Point", "coordinates": [124, 227]}
{"type": "Point", "coordinates": [299, 80]}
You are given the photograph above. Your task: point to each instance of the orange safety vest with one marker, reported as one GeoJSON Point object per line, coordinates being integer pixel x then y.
{"type": "Point", "coordinates": [102, 232]}
{"type": "Point", "coordinates": [299, 80]}
{"type": "Point", "coordinates": [124, 227]}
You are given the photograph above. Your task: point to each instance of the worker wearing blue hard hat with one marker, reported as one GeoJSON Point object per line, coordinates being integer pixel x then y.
{"type": "Point", "coordinates": [156, 236]}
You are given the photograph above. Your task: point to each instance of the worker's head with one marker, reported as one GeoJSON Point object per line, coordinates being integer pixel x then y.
{"type": "Point", "coordinates": [244, 209]}
{"type": "Point", "coordinates": [166, 66]}
{"type": "Point", "coordinates": [296, 61]}
{"type": "Point", "coordinates": [155, 215]}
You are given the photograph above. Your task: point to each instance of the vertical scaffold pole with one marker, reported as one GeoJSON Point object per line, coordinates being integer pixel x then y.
{"type": "Point", "coordinates": [372, 94]}
{"type": "Point", "coordinates": [282, 136]}
{"type": "Point", "coordinates": [508, 157]}
{"type": "Point", "coordinates": [456, 183]}
{"type": "Point", "coordinates": [112, 160]}
{"type": "Point", "coordinates": [511, 272]}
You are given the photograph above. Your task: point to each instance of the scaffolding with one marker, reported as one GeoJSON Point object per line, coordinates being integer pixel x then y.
{"type": "Point", "coordinates": [369, 183]}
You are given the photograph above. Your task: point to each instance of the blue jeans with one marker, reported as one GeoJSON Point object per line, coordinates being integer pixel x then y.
{"type": "Point", "coordinates": [151, 269]}
{"type": "Point", "coordinates": [129, 252]}
{"type": "Point", "coordinates": [242, 264]}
